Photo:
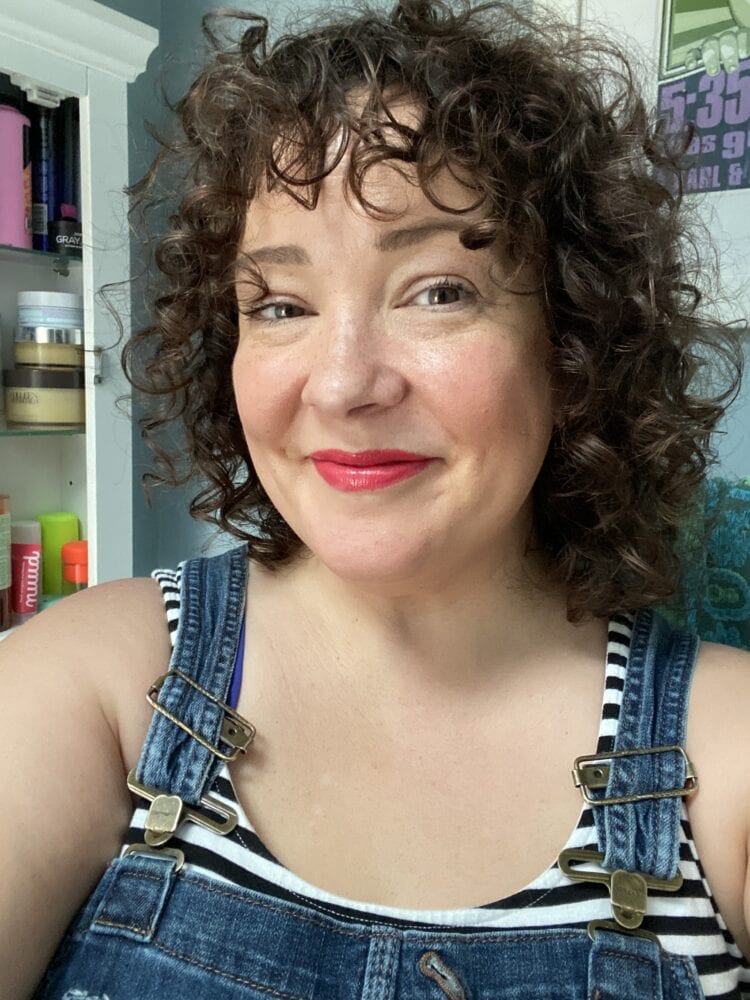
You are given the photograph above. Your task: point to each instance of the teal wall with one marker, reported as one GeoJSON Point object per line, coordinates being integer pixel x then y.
{"type": "Point", "coordinates": [148, 11]}
{"type": "Point", "coordinates": [163, 532]}
{"type": "Point", "coordinates": [733, 440]}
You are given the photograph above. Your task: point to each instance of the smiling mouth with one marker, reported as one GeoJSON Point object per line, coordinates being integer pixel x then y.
{"type": "Point", "coordinates": [352, 472]}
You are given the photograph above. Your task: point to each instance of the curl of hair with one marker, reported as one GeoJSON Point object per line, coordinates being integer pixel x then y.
{"type": "Point", "coordinates": [547, 127]}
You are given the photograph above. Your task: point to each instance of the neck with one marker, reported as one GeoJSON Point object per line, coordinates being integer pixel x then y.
{"type": "Point", "coordinates": [473, 635]}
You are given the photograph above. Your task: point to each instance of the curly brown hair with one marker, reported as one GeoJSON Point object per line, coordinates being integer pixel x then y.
{"type": "Point", "coordinates": [549, 129]}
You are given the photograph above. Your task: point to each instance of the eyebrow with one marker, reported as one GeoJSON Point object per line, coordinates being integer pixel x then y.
{"type": "Point", "coordinates": [394, 239]}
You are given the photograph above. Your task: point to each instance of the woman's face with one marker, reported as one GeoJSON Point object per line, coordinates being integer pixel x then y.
{"type": "Point", "coordinates": [390, 338]}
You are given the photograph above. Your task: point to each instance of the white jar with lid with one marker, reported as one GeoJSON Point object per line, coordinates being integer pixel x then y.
{"type": "Point", "coordinates": [60, 310]}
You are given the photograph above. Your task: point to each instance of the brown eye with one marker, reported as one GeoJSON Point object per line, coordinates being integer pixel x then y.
{"type": "Point", "coordinates": [284, 310]}
{"type": "Point", "coordinates": [444, 294]}
{"type": "Point", "coordinates": [280, 312]}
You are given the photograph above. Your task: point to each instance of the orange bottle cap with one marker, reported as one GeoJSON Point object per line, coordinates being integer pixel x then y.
{"type": "Point", "coordinates": [75, 559]}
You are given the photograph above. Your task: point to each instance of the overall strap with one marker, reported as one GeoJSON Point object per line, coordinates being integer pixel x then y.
{"type": "Point", "coordinates": [637, 814]}
{"type": "Point", "coordinates": [636, 794]}
{"type": "Point", "coordinates": [192, 730]}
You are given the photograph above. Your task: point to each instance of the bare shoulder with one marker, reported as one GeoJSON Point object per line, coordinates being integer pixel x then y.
{"type": "Point", "coordinates": [718, 743]}
{"type": "Point", "coordinates": [718, 734]}
{"type": "Point", "coordinates": [72, 718]}
{"type": "Point", "coordinates": [719, 702]}
{"type": "Point", "coordinates": [80, 620]}
{"type": "Point", "coordinates": [112, 638]}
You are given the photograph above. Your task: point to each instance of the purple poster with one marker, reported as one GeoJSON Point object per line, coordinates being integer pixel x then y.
{"type": "Point", "coordinates": [719, 155]}
{"type": "Point", "coordinates": [705, 79]}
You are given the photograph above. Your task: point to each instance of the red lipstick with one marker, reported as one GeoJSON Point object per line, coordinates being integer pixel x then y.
{"type": "Point", "coordinates": [351, 472]}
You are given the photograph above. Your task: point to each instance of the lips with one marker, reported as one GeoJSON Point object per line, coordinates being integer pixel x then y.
{"type": "Point", "coordinates": [352, 472]}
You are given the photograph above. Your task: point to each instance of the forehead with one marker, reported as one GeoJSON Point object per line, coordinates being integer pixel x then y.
{"type": "Point", "coordinates": [395, 193]}
{"type": "Point", "coordinates": [390, 187]}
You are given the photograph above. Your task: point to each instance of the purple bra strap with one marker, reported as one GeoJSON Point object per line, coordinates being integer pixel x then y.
{"type": "Point", "coordinates": [236, 683]}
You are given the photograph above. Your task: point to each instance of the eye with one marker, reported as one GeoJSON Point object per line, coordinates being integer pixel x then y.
{"type": "Point", "coordinates": [446, 292]}
{"type": "Point", "coordinates": [279, 311]}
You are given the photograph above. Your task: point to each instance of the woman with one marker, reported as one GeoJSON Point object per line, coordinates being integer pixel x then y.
{"type": "Point", "coordinates": [427, 324]}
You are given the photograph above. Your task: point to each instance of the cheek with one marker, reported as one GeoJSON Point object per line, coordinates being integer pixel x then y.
{"type": "Point", "coordinates": [497, 389]}
{"type": "Point", "coordinates": [264, 394]}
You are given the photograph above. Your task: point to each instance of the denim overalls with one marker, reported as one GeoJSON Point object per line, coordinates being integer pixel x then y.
{"type": "Point", "coordinates": [151, 929]}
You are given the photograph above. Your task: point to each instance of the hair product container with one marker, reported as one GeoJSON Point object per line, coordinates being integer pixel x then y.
{"type": "Point", "coordinates": [43, 188]}
{"type": "Point", "coordinates": [26, 568]}
{"type": "Point", "coordinates": [58, 527]}
{"type": "Point", "coordinates": [65, 236]}
{"type": "Point", "coordinates": [62, 310]}
{"type": "Point", "coordinates": [65, 232]}
{"type": "Point", "coordinates": [5, 611]}
{"type": "Point", "coordinates": [49, 346]}
{"type": "Point", "coordinates": [15, 168]}
{"type": "Point", "coordinates": [75, 565]}
{"type": "Point", "coordinates": [45, 398]}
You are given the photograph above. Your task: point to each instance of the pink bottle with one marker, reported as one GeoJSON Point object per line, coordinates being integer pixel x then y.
{"type": "Point", "coordinates": [15, 171]}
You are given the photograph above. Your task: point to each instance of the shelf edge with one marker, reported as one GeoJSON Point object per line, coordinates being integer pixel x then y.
{"type": "Point", "coordinates": [85, 32]}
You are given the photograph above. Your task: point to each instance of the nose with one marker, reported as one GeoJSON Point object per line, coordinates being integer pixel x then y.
{"type": "Point", "coordinates": [353, 366]}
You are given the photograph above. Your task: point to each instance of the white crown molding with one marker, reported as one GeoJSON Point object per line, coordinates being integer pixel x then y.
{"type": "Point", "coordinates": [83, 31]}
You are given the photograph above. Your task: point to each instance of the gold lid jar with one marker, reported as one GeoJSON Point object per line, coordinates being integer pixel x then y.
{"type": "Point", "coordinates": [45, 398]}
{"type": "Point", "coordinates": [49, 347]}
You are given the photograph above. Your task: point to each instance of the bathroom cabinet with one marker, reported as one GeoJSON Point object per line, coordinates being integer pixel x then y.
{"type": "Point", "coordinates": [55, 49]}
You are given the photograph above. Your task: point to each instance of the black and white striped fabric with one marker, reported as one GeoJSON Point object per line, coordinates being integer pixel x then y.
{"type": "Point", "coordinates": [687, 922]}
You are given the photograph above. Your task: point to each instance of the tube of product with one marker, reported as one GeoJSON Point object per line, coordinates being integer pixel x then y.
{"type": "Point", "coordinates": [75, 560]}
{"type": "Point", "coordinates": [5, 612]}
{"type": "Point", "coordinates": [26, 568]}
{"type": "Point", "coordinates": [58, 527]}
{"type": "Point", "coordinates": [43, 188]}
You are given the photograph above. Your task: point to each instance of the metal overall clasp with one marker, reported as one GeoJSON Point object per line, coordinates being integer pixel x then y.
{"type": "Point", "coordinates": [628, 890]}
{"type": "Point", "coordinates": [590, 772]}
{"type": "Point", "coordinates": [167, 811]}
{"type": "Point", "coordinates": [236, 732]}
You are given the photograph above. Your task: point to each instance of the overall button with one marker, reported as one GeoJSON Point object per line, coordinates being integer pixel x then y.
{"type": "Point", "coordinates": [432, 965]}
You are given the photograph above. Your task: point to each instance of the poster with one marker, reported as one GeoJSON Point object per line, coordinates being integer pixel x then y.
{"type": "Point", "coordinates": [705, 79]}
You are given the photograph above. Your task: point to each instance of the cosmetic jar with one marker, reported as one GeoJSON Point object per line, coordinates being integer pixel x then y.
{"type": "Point", "coordinates": [49, 346]}
{"type": "Point", "coordinates": [45, 397]}
{"type": "Point", "coordinates": [51, 309]}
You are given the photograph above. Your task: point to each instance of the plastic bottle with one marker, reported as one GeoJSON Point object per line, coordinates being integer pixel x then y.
{"type": "Point", "coordinates": [58, 527]}
{"type": "Point", "coordinates": [43, 177]}
{"type": "Point", "coordinates": [26, 568]}
{"type": "Point", "coordinates": [64, 230]}
{"type": "Point", "coordinates": [15, 167]}
{"type": "Point", "coordinates": [75, 564]}
{"type": "Point", "coordinates": [5, 612]}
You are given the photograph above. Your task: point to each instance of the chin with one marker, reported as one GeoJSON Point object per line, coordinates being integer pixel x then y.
{"type": "Point", "coordinates": [376, 560]}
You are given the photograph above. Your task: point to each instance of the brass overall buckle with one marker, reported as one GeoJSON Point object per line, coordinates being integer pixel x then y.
{"type": "Point", "coordinates": [236, 732]}
{"type": "Point", "coordinates": [589, 772]}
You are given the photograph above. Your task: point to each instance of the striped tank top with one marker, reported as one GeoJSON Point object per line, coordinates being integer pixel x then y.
{"type": "Point", "coordinates": [687, 922]}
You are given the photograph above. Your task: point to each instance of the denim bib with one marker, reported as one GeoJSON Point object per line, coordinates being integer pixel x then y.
{"type": "Point", "coordinates": [151, 929]}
